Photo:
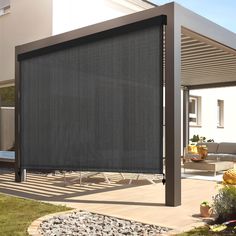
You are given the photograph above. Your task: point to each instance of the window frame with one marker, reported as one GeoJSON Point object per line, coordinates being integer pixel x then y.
{"type": "Point", "coordinates": [198, 111]}
{"type": "Point", "coordinates": [220, 113]}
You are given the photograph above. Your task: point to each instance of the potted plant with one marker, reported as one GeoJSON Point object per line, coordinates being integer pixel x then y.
{"type": "Point", "coordinates": [200, 139]}
{"type": "Point", "coordinates": [198, 145]}
{"type": "Point", "coordinates": [224, 203]}
{"type": "Point", "coordinates": [205, 209]}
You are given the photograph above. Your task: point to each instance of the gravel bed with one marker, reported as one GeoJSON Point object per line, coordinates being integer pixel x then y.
{"type": "Point", "coordinates": [87, 223]}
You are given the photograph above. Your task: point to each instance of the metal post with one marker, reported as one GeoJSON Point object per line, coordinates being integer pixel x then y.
{"type": "Point", "coordinates": [173, 110]}
{"type": "Point", "coordinates": [19, 172]}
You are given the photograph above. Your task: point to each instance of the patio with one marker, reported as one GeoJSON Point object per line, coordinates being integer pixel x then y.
{"type": "Point", "coordinates": [139, 201]}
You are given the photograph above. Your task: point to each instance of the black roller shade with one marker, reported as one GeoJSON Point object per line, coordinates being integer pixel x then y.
{"type": "Point", "coordinates": [96, 104]}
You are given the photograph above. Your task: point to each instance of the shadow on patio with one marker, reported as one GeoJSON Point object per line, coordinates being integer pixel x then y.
{"type": "Point", "coordinates": [52, 188]}
{"type": "Point", "coordinates": [140, 201]}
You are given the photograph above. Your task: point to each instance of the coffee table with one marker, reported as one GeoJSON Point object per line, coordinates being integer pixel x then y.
{"type": "Point", "coordinates": [211, 166]}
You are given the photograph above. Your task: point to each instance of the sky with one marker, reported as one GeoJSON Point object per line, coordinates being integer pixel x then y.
{"type": "Point", "coordinates": [221, 12]}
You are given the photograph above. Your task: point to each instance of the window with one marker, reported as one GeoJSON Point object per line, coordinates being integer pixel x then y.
{"type": "Point", "coordinates": [220, 113]}
{"type": "Point", "coordinates": [195, 111]}
{"type": "Point", "coordinates": [4, 6]}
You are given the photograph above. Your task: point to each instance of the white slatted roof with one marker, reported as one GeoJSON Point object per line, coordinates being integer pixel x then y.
{"type": "Point", "coordinates": [204, 61]}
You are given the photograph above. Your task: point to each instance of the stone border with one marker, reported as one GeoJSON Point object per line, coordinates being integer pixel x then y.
{"type": "Point", "coordinates": [33, 228]}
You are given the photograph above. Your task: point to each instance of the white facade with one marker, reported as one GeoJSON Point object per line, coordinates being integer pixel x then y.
{"type": "Point", "coordinates": [23, 21]}
{"type": "Point", "coordinates": [74, 14]}
{"type": "Point", "coordinates": [209, 126]}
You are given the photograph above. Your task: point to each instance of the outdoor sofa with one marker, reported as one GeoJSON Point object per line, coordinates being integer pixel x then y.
{"type": "Point", "coordinates": [224, 151]}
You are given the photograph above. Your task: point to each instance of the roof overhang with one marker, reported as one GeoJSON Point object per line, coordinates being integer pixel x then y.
{"type": "Point", "coordinates": [133, 5]}
{"type": "Point", "coordinates": [208, 51]}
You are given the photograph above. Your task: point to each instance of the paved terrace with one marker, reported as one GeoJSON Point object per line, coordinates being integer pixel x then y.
{"type": "Point", "coordinates": [139, 201]}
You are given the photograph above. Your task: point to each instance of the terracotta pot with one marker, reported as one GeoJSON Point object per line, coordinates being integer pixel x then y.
{"type": "Point", "coordinates": [205, 211]}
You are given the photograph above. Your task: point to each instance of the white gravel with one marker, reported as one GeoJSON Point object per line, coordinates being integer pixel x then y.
{"type": "Point", "coordinates": [87, 223]}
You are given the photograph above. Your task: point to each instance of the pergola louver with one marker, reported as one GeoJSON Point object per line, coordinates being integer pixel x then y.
{"type": "Point", "coordinates": [204, 61]}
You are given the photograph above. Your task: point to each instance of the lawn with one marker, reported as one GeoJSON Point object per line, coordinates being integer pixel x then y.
{"type": "Point", "coordinates": [204, 230]}
{"type": "Point", "coordinates": [16, 214]}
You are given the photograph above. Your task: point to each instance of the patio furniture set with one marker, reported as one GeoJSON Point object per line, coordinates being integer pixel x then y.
{"type": "Point", "coordinates": [221, 156]}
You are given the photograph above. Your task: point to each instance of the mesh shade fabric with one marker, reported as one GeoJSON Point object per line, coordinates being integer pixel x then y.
{"type": "Point", "coordinates": [96, 105]}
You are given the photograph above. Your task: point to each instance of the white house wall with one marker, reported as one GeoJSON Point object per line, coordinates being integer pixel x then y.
{"type": "Point", "coordinates": [27, 20]}
{"type": "Point", "coordinates": [208, 126]}
{"type": "Point", "coordinates": [73, 14]}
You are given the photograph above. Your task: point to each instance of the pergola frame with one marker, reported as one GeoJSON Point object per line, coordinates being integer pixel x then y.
{"type": "Point", "coordinates": [178, 18]}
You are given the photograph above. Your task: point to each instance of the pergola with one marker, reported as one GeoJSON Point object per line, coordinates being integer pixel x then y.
{"type": "Point", "coordinates": [197, 54]}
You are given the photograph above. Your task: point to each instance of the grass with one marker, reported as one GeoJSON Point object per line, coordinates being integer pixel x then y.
{"type": "Point", "coordinates": [205, 231]}
{"type": "Point", "coordinates": [16, 214]}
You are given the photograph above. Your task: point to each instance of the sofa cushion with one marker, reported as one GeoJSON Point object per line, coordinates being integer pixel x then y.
{"type": "Point", "coordinates": [212, 147]}
{"type": "Point", "coordinates": [227, 148]}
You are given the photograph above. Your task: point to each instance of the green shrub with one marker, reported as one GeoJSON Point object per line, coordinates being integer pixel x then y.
{"type": "Point", "coordinates": [197, 138]}
{"type": "Point", "coordinates": [224, 204]}
{"type": "Point", "coordinates": [7, 95]}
